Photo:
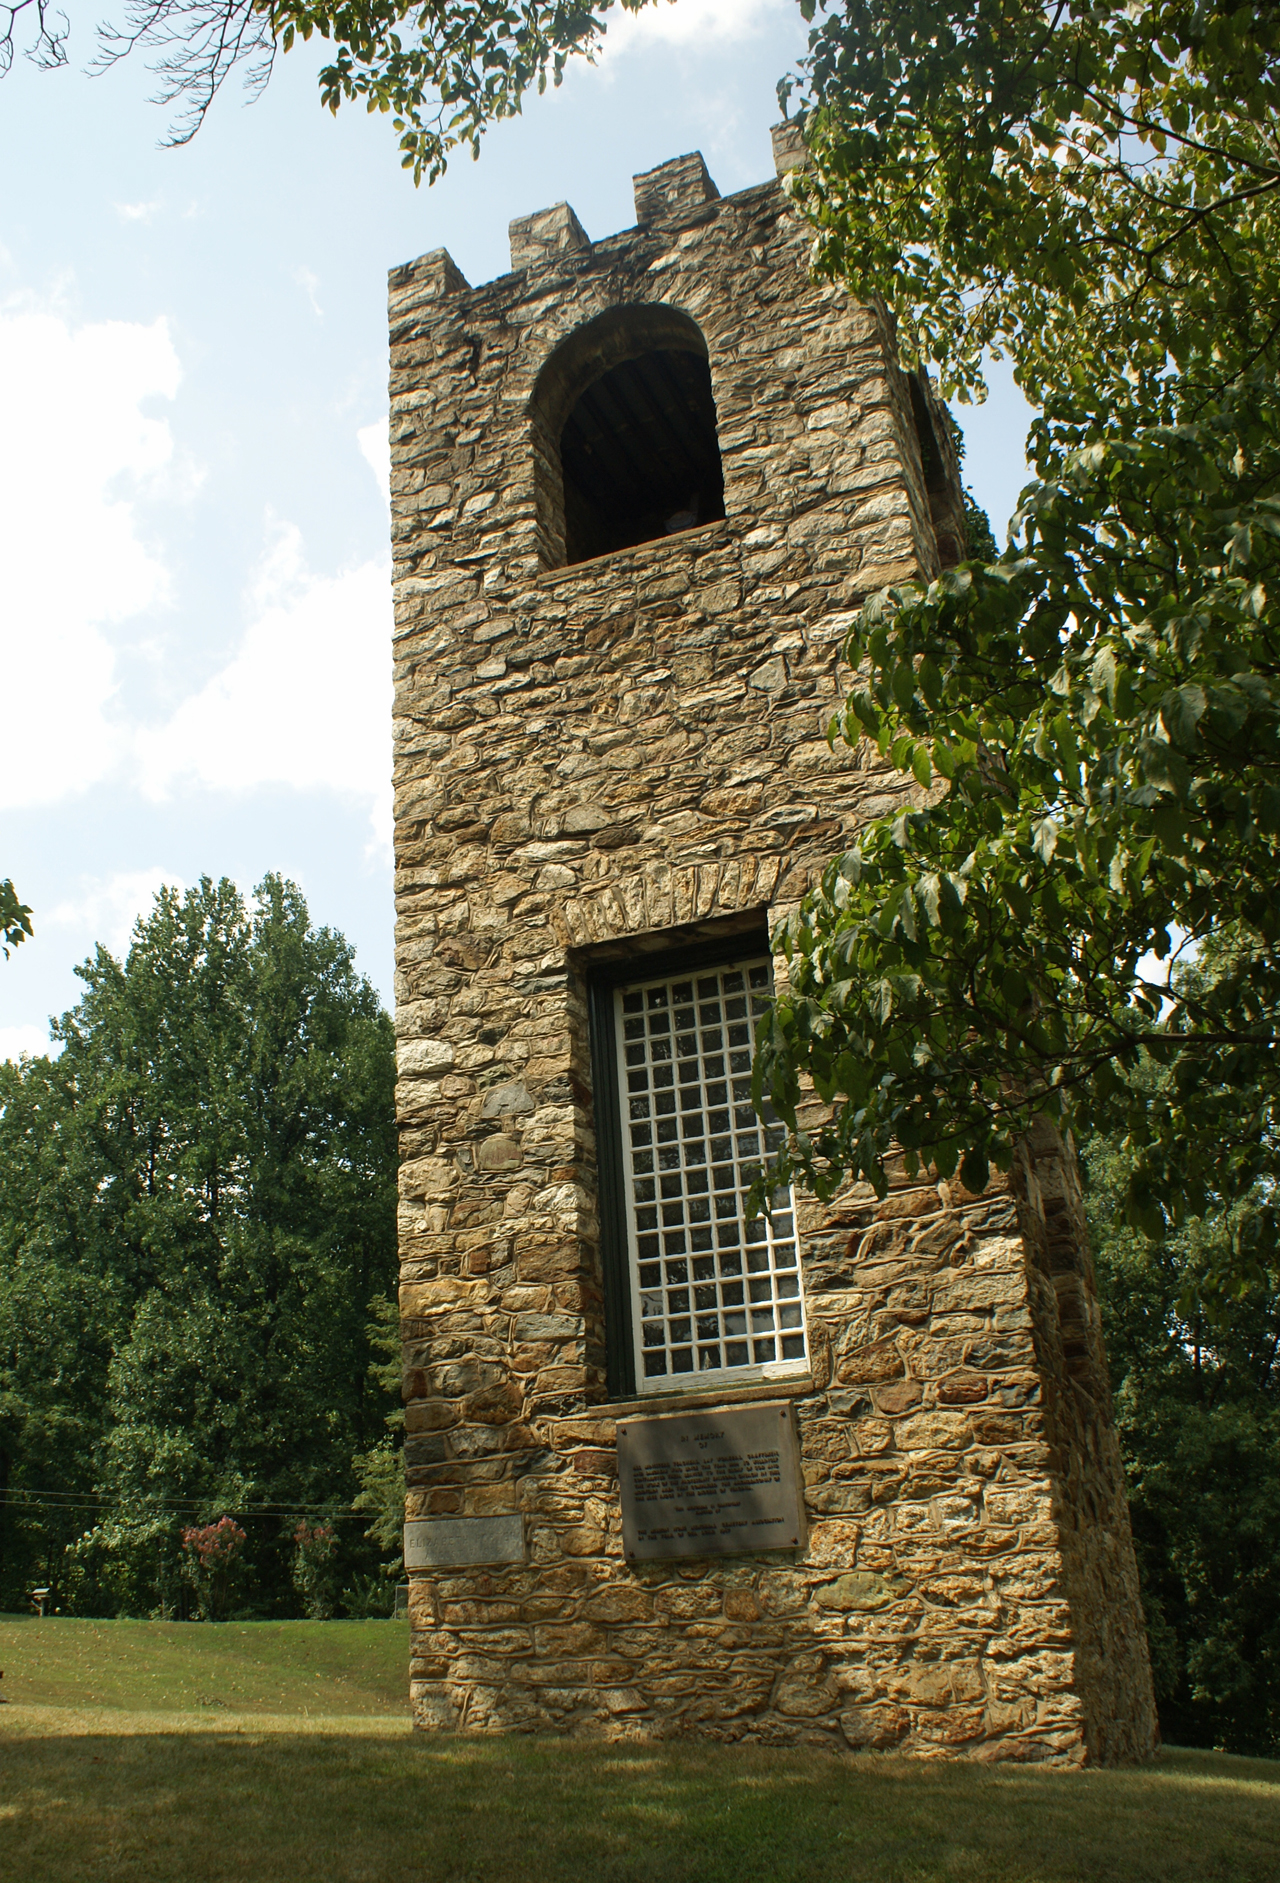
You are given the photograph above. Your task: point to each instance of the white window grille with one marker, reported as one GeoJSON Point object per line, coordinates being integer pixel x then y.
{"type": "Point", "coordinates": [714, 1293]}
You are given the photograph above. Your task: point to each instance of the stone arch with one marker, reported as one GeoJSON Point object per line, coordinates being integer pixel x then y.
{"type": "Point", "coordinates": [623, 422]}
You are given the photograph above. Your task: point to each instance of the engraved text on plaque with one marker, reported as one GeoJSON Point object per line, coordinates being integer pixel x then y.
{"type": "Point", "coordinates": [710, 1483]}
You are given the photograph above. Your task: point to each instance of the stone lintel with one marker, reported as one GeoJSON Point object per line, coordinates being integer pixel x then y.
{"type": "Point", "coordinates": [670, 192]}
{"type": "Point", "coordinates": [546, 233]}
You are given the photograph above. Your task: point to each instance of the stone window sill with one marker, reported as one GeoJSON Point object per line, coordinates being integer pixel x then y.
{"type": "Point", "coordinates": [790, 1386]}
{"type": "Point", "coordinates": [705, 536]}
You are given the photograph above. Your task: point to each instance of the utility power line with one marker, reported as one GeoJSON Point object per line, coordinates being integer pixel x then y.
{"type": "Point", "coordinates": [171, 1507]}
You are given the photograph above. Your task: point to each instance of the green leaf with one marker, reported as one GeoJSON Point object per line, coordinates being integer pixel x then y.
{"type": "Point", "coordinates": [1044, 838]}
{"type": "Point", "coordinates": [929, 681]}
{"type": "Point", "coordinates": [1181, 710]}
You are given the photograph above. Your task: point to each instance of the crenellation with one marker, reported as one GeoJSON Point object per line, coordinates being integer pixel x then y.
{"type": "Point", "coordinates": [547, 236]}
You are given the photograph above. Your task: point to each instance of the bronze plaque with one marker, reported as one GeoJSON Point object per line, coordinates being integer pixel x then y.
{"type": "Point", "coordinates": [711, 1483]}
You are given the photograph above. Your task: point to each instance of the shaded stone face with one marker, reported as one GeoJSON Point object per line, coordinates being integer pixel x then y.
{"type": "Point", "coordinates": [611, 769]}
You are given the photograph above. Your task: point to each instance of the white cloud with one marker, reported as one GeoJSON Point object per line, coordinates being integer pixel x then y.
{"type": "Point", "coordinates": [305, 702]}
{"type": "Point", "coordinates": [309, 283]}
{"type": "Point", "coordinates": [375, 448]}
{"type": "Point", "coordinates": [74, 431]}
{"type": "Point", "coordinates": [137, 212]}
{"type": "Point", "coordinates": [691, 23]}
{"type": "Point", "coordinates": [16, 1040]}
{"type": "Point", "coordinates": [107, 907]}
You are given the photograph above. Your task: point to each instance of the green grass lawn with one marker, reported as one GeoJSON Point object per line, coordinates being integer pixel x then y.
{"type": "Point", "coordinates": [207, 1794]}
{"type": "Point", "coordinates": [293, 1667]}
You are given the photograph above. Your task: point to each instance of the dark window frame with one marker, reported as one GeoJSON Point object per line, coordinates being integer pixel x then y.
{"type": "Point", "coordinates": [603, 980]}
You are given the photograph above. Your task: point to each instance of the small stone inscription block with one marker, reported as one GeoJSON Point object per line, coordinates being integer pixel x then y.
{"type": "Point", "coordinates": [711, 1483]}
{"type": "Point", "coordinates": [458, 1542]}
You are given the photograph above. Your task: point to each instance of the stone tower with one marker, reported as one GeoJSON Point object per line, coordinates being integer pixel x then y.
{"type": "Point", "coordinates": [638, 486]}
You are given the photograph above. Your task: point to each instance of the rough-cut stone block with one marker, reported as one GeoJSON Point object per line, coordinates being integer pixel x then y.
{"type": "Point", "coordinates": [424, 1058]}
{"type": "Point", "coordinates": [860, 1589]}
{"type": "Point", "coordinates": [431, 276]}
{"type": "Point", "coordinates": [789, 152]}
{"type": "Point", "coordinates": [673, 189]}
{"type": "Point", "coordinates": [547, 233]}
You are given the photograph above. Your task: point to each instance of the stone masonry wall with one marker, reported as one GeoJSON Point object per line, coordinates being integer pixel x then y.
{"type": "Point", "coordinates": [1091, 1511]}
{"type": "Point", "coordinates": [598, 759]}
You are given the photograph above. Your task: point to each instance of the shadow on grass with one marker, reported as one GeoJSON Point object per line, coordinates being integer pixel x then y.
{"type": "Point", "coordinates": [263, 1803]}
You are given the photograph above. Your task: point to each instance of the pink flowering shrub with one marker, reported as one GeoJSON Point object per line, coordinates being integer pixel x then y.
{"type": "Point", "coordinates": [214, 1563]}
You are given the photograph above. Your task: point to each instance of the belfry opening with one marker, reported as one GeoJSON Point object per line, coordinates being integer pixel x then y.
{"type": "Point", "coordinates": [639, 455]}
{"type": "Point", "coordinates": [627, 420]}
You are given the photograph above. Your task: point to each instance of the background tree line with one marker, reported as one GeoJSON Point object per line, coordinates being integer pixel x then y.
{"type": "Point", "coordinates": [1197, 1406]}
{"type": "Point", "coordinates": [197, 1207]}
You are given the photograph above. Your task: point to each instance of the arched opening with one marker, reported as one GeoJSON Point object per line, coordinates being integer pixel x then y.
{"type": "Point", "coordinates": [639, 455]}
{"type": "Point", "coordinates": [931, 461]}
{"type": "Point", "coordinates": [938, 468]}
{"type": "Point", "coordinates": [627, 446]}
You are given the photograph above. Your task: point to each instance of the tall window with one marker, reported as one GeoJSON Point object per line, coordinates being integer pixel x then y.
{"type": "Point", "coordinates": [701, 1292]}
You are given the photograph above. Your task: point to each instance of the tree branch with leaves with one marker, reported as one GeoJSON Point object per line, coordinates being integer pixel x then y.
{"type": "Point", "coordinates": [15, 918]}
{"type": "Point", "coordinates": [1102, 711]}
{"type": "Point", "coordinates": [443, 70]}
{"type": "Point", "coordinates": [1092, 191]}
{"type": "Point", "coordinates": [1093, 718]}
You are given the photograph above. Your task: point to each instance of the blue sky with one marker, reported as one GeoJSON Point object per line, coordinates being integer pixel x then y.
{"type": "Point", "coordinates": [194, 612]}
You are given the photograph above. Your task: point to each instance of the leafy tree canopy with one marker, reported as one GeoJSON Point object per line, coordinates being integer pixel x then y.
{"type": "Point", "coordinates": [1093, 720]}
{"type": "Point", "coordinates": [380, 1470]}
{"type": "Point", "coordinates": [199, 1202]}
{"type": "Point", "coordinates": [1092, 189]}
{"type": "Point", "coordinates": [1197, 1409]}
{"type": "Point", "coordinates": [1101, 709]}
